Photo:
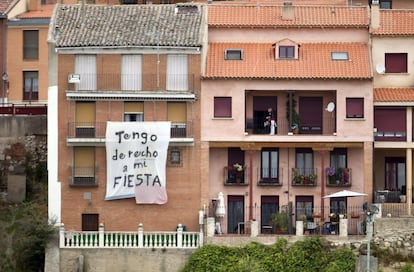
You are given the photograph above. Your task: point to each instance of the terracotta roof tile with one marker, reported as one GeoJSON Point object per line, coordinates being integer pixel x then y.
{"type": "Point", "coordinates": [4, 4]}
{"type": "Point", "coordinates": [43, 13]}
{"type": "Point", "coordinates": [314, 62]}
{"type": "Point", "coordinates": [393, 94]}
{"type": "Point", "coordinates": [128, 25]}
{"type": "Point", "coordinates": [395, 22]}
{"type": "Point", "coordinates": [271, 16]}
{"type": "Point", "coordinates": [294, 2]}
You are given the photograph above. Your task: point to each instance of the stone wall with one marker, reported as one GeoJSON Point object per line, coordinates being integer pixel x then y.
{"type": "Point", "coordinates": [19, 135]}
{"type": "Point", "coordinates": [395, 233]}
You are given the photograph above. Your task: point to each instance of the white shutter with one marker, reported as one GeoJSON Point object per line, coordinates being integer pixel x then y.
{"type": "Point", "coordinates": [85, 66]}
{"type": "Point", "coordinates": [131, 72]}
{"type": "Point", "coordinates": [177, 73]}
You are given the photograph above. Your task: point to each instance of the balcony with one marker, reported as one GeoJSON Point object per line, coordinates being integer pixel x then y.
{"type": "Point", "coordinates": [269, 177]}
{"type": "Point", "coordinates": [84, 176]}
{"type": "Point", "coordinates": [84, 130]}
{"type": "Point", "coordinates": [133, 83]}
{"type": "Point", "coordinates": [304, 177]}
{"type": "Point", "coordinates": [338, 177]}
{"type": "Point", "coordinates": [258, 126]}
{"type": "Point", "coordinates": [23, 109]}
{"type": "Point", "coordinates": [235, 175]}
{"type": "Point", "coordinates": [390, 136]}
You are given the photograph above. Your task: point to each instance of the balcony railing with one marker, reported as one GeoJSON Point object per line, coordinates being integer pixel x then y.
{"type": "Point", "coordinates": [132, 239]}
{"type": "Point", "coordinates": [326, 127]}
{"type": "Point", "coordinates": [338, 177]}
{"type": "Point", "coordinates": [98, 130]}
{"type": "Point", "coordinates": [391, 136]}
{"type": "Point", "coordinates": [134, 83]}
{"type": "Point", "coordinates": [269, 176]}
{"type": "Point", "coordinates": [84, 176]}
{"type": "Point", "coordinates": [23, 109]}
{"type": "Point", "coordinates": [304, 176]}
{"type": "Point", "coordinates": [235, 175]}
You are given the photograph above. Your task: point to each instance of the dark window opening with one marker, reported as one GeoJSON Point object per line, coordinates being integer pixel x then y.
{"type": "Point", "coordinates": [286, 52]}
{"type": "Point", "coordinates": [355, 107]}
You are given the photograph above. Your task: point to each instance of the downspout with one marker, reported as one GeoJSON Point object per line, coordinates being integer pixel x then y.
{"type": "Point", "coordinates": [3, 18]}
{"type": "Point", "coordinates": [251, 185]}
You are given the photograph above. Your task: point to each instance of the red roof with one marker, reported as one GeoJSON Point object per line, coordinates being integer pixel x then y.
{"type": "Point", "coordinates": [44, 12]}
{"type": "Point", "coordinates": [271, 16]}
{"type": "Point", "coordinates": [393, 94]}
{"type": "Point", "coordinates": [395, 22]}
{"type": "Point", "coordinates": [314, 62]}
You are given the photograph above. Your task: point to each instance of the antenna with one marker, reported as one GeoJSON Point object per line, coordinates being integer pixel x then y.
{"type": "Point", "coordinates": [330, 107]}
{"type": "Point", "coordinates": [380, 68]}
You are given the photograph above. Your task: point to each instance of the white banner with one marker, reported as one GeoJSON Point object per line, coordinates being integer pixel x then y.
{"type": "Point", "coordinates": [136, 154]}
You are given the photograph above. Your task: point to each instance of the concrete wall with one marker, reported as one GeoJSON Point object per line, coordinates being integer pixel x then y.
{"type": "Point", "coordinates": [18, 126]}
{"type": "Point", "coordinates": [101, 260]}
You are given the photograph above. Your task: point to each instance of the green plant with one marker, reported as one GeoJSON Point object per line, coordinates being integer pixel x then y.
{"type": "Point", "coordinates": [291, 107]}
{"type": "Point", "coordinates": [280, 221]}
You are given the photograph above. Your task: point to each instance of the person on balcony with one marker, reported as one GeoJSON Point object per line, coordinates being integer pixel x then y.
{"type": "Point", "coordinates": [271, 121]}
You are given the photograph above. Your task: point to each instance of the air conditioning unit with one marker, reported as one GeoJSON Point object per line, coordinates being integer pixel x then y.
{"type": "Point", "coordinates": [73, 78]}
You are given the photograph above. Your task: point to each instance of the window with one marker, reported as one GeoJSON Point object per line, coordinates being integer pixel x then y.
{"type": "Point", "coordinates": [30, 44]}
{"type": "Point", "coordinates": [233, 54]}
{"type": "Point", "coordinates": [286, 52]}
{"type": "Point", "coordinates": [131, 73]}
{"type": "Point", "coordinates": [85, 119]}
{"type": "Point", "coordinates": [90, 222]}
{"type": "Point", "coordinates": [338, 158]}
{"type": "Point", "coordinates": [133, 111]}
{"type": "Point", "coordinates": [385, 4]}
{"type": "Point", "coordinates": [355, 107]}
{"type": "Point", "coordinates": [222, 107]}
{"type": "Point", "coordinates": [304, 206]}
{"type": "Point", "coordinates": [85, 66]}
{"type": "Point", "coordinates": [83, 166]}
{"type": "Point", "coordinates": [269, 207]}
{"type": "Point", "coordinates": [129, 2]}
{"type": "Point", "coordinates": [304, 161]}
{"type": "Point", "coordinates": [339, 56]}
{"type": "Point", "coordinates": [177, 114]}
{"type": "Point", "coordinates": [177, 72]}
{"type": "Point", "coordinates": [270, 165]}
{"type": "Point", "coordinates": [175, 157]}
{"type": "Point", "coordinates": [396, 62]}
{"type": "Point", "coordinates": [31, 85]}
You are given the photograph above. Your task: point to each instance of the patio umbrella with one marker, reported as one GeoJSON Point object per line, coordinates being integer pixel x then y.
{"type": "Point", "coordinates": [345, 193]}
{"type": "Point", "coordinates": [221, 210]}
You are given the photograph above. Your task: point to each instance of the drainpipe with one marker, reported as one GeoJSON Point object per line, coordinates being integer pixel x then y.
{"type": "Point", "coordinates": [251, 185]}
{"type": "Point", "coordinates": [3, 18]}
{"type": "Point", "coordinates": [322, 153]}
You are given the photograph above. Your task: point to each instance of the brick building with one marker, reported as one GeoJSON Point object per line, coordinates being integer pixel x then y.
{"type": "Point", "coordinates": [126, 64]}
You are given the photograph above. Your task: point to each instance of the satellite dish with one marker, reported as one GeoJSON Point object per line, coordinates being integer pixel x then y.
{"type": "Point", "coordinates": [380, 68]}
{"type": "Point", "coordinates": [330, 107]}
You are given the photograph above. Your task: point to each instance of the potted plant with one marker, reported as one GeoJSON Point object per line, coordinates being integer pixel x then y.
{"type": "Point", "coordinates": [280, 222]}
{"type": "Point", "coordinates": [291, 107]}
{"type": "Point", "coordinates": [238, 168]}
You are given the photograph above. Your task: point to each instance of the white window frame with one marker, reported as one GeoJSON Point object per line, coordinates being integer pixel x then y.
{"type": "Point", "coordinates": [131, 75]}
{"type": "Point", "coordinates": [85, 66]}
{"type": "Point", "coordinates": [177, 72]}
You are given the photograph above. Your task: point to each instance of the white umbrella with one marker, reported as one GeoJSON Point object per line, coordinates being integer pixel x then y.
{"type": "Point", "coordinates": [221, 210]}
{"type": "Point", "coordinates": [345, 193]}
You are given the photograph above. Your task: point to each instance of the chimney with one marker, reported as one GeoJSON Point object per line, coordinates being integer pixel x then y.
{"type": "Point", "coordinates": [34, 5]}
{"type": "Point", "coordinates": [288, 13]}
{"type": "Point", "coordinates": [375, 14]}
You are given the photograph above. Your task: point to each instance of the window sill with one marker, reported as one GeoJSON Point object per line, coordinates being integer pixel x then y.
{"type": "Point", "coordinates": [223, 118]}
{"type": "Point", "coordinates": [354, 119]}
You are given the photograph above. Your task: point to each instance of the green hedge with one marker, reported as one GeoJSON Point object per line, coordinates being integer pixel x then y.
{"type": "Point", "coordinates": [309, 255]}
